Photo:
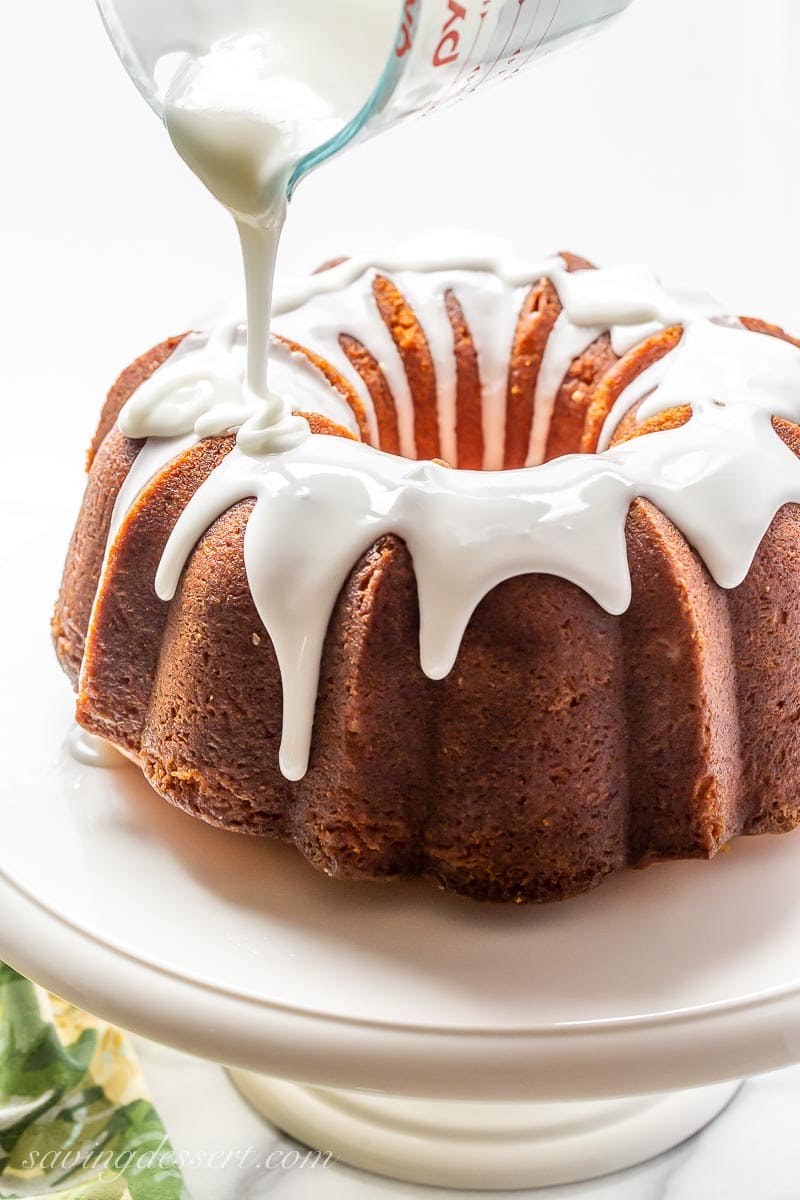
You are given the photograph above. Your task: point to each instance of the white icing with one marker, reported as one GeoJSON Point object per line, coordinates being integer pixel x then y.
{"type": "Point", "coordinates": [442, 252]}
{"type": "Point", "coordinates": [149, 462]}
{"type": "Point", "coordinates": [243, 114]}
{"type": "Point", "coordinates": [156, 453]}
{"type": "Point", "coordinates": [629, 295]}
{"type": "Point", "coordinates": [567, 340]}
{"type": "Point", "coordinates": [490, 285]}
{"type": "Point", "coordinates": [628, 302]}
{"type": "Point", "coordinates": [321, 504]}
{"type": "Point", "coordinates": [491, 308]}
{"type": "Point", "coordinates": [353, 311]}
{"type": "Point", "coordinates": [93, 751]}
{"type": "Point", "coordinates": [648, 380]}
{"type": "Point", "coordinates": [724, 364]}
{"type": "Point", "coordinates": [201, 388]}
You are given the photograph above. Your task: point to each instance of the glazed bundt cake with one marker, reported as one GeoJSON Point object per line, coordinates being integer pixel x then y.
{"type": "Point", "coordinates": [523, 608]}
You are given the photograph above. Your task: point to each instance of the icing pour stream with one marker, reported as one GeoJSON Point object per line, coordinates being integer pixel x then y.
{"type": "Point", "coordinates": [242, 113]}
{"type": "Point", "coordinates": [720, 478]}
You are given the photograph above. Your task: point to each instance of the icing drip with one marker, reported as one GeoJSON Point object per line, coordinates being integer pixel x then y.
{"type": "Point", "coordinates": [627, 302]}
{"type": "Point", "coordinates": [229, 114]}
{"type": "Point", "coordinates": [567, 340]}
{"type": "Point", "coordinates": [322, 505]}
{"type": "Point", "coordinates": [93, 751]}
{"type": "Point", "coordinates": [149, 462]}
{"type": "Point", "coordinates": [720, 477]}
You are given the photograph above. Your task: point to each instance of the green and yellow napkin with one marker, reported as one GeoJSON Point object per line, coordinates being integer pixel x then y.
{"type": "Point", "coordinates": [76, 1122]}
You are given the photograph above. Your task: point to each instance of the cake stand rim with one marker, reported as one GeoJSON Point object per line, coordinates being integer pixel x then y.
{"type": "Point", "coordinates": [595, 1062]}
{"type": "Point", "coordinates": [668, 1017]}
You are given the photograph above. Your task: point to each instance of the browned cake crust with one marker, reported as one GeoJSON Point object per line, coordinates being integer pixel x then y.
{"type": "Point", "coordinates": [564, 744]}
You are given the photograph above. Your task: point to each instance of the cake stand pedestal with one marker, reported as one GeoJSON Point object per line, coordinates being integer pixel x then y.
{"type": "Point", "coordinates": [475, 1144]}
{"type": "Point", "coordinates": [427, 1036]}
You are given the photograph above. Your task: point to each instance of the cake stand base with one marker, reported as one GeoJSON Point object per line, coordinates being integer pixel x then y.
{"type": "Point", "coordinates": [474, 1144]}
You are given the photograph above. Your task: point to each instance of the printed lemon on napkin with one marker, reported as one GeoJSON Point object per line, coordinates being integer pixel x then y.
{"type": "Point", "coordinates": [76, 1122]}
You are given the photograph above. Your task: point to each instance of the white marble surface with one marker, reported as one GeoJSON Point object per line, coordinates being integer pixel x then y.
{"type": "Point", "coordinates": [751, 1152]}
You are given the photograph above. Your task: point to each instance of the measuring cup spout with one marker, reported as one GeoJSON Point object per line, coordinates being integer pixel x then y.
{"type": "Point", "coordinates": [380, 61]}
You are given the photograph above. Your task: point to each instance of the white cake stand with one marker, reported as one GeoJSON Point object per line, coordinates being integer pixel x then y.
{"type": "Point", "coordinates": [434, 1039]}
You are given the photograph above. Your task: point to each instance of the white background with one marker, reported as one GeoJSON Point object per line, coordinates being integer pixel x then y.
{"type": "Point", "coordinates": [670, 139]}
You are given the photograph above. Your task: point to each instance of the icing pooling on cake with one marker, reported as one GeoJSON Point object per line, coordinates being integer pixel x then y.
{"type": "Point", "coordinates": [491, 286]}
{"type": "Point", "coordinates": [720, 477]}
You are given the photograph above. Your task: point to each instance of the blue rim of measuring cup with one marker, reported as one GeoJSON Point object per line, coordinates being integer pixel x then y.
{"type": "Point", "coordinates": [382, 93]}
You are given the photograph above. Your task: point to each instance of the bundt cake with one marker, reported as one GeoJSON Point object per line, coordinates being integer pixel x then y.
{"type": "Point", "coordinates": [521, 609]}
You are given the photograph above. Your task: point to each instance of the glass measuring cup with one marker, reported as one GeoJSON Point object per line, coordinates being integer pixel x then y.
{"type": "Point", "coordinates": [418, 55]}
